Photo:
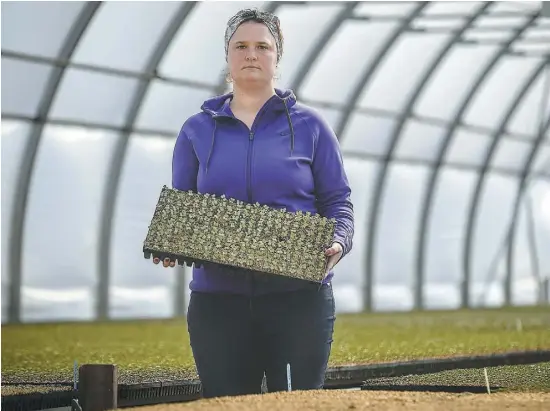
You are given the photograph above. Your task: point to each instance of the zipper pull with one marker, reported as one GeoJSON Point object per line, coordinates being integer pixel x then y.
{"type": "Point", "coordinates": [251, 135]}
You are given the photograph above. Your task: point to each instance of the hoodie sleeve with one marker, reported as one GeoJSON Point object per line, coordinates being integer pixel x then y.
{"type": "Point", "coordinates": [185, 164]}
{"type": "Point", "coordinates": [331, 184]}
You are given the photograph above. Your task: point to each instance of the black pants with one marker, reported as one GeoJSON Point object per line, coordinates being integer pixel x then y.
{"type": "Point", "coordinates": [235, 339]}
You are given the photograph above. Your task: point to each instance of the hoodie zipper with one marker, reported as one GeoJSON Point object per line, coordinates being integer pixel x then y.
{"type": "Point", "coordinates": [251, 133]}
{"type": "Point", "coordinates": [249, 171]}
{"type": "Point", "coordinates": [249, 166]}
{"type": "Point", "coordinates": [249, 176]}
{"type": "Point", "coordinates": [249, 195]}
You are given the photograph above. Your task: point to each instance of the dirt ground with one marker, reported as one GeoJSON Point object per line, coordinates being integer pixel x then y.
{"type": "Point", "coordinates": [338, 400]}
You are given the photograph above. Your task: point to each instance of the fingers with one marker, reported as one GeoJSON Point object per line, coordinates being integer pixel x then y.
{"type": "Point", "coordinates": [334, 254]}
{"type": "Point", "coordinates": [334, 257]}
{"type": "Point", "coordinates": [331, 251]}
{"type": "Point", "coordinates": [336, 248]}
{"type": "Point", "coordinates": [165, 263]}
{"type": "Point", "coordinates": [331, 262]}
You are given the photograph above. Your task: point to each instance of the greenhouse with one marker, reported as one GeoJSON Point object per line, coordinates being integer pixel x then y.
{"type": "Point", "coordinates": [442, 111]}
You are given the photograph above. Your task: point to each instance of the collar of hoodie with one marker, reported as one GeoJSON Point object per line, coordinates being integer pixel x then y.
{"type": "Point", "coordinates": [218, 107]}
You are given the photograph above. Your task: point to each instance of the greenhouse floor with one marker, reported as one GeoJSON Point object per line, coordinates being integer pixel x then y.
{"type": "Point", "coordinates": [344, 400]}
{"type": "Point", "coordinates": [40, 358]}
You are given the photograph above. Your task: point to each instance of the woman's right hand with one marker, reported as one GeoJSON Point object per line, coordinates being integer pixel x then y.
{"type": "Point", "coordinates": [165, 263]}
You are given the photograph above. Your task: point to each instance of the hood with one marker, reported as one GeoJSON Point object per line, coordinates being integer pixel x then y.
{"type": "Point", "coordinates": [218, 106]}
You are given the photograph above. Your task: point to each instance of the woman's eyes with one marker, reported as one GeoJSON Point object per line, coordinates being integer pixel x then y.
{"type": "Point", "coordinates": [263, 47]}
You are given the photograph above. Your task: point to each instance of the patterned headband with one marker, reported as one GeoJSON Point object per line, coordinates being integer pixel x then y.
{"type": "Point", "coordinates": [270, 20]}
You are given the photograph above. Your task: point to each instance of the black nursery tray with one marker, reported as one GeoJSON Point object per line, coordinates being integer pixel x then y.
{"type": "Point", "coordinates": [194, 228]}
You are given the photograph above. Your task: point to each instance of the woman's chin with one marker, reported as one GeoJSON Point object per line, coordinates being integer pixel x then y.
{"type": "Point", "coordinates": [253, 78]}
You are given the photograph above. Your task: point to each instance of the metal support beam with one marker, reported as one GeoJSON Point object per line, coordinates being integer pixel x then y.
{"type": "Point", "coordinates": [532, 239]}
{"type": "Point", "coordinates": [376, 61]}
{"type": "Point", "coordinates": [361, 110]}
{"type": "Point", "coordinates": [480, 185]}
{"type": "Point", "coordinates": [350, 153]}
{"type": "Point", "coordinates": [394, 139]}
{"type": "Point", "coordinates": [428, 198]}
{"type": "Point", "coordinates": [504, 29]}
{"type": "Point", "coordinates": [110, 71]}
{"type": "Point", "coordinates": [24, 180]}
{"type": "Point", "coordinates": [541, 41]}
{"type": "Point", "coordinates": [117, 162]}
{"type": "Point", "coordinates": [364, 80]}
{"type": "Point", "coordinates": [506, 243]}
{"type": "Point", "coordinates": [465, 289]}
{"type": "Point", "coordinates": [438, 17]}
{"type": "Point", "coordinates": [508, 172]}
{"type": "Point", "coordinates": [85, 124]}
{"type": "Point", "coordinates": [435, 172]}
{"type": "Point", "coordinates": [321, 43]}
{"type": "Point", "coordinates": [434, 121]}
{"type": "Point", "coordinates": [524, 180]}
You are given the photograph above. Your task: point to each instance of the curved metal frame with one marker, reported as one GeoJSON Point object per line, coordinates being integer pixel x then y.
{"type": "Point", "coordinates": [428, 199]}
{"type": "Point", "coordinates": [508, 237]}
{"type": "Point", "coordinates": [513, 228]}
{"type": "Point", "coordinates": [348, 109]}
{"type": "Point", "coordinates": [509, 233]}
{"type": "Point", "coordinates": [474, 203]}
{"type": "Point", "coordinates": [371, 69]}
{"type": "Point", "coordinates": [21, 197]}
{"type": "Point", "coordinates": [323, 40]}
{"type": "Point", "coordinates": [115, 169]}
{"type": "Point", "coordinates": [524, 180]}
{"type": "Point", "coordinates": [395, 138]}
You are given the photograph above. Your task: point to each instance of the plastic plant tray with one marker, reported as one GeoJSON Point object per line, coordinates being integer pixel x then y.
{"type": "Point", "coordinates": [194, 228]}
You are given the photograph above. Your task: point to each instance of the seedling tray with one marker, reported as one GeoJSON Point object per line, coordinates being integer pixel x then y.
{"type": "Point", "coordinates": [194, 228]}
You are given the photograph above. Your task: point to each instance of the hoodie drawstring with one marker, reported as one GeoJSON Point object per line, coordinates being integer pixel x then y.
{"type": "Point", "coordinates": [211, 145]}
{"type": "Point", "coordinates": [289, 124]}
{"type": "Point", "coordinates": [291, 128]}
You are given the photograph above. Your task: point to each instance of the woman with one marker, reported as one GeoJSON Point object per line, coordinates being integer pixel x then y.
{"type": "Point", "coordinates": [257, 144]}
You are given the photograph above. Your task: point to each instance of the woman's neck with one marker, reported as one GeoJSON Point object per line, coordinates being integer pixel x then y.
{"type": "Point", "coordinates": [250, 100]}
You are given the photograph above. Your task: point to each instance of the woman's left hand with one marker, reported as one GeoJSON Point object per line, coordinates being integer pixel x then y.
{"type": "Point", "coordinates": [334, 253]}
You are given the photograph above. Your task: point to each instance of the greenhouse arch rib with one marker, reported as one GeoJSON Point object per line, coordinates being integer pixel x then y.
{"type": "Point", "coordinates": [117, 162]}
{"type": "Point", "coordinates": [394, 140]}
{"type": "Point", "coordinates": [507, 240]}
{"type": "Point", "coordinates": [323, 40]}
{"type": "Point", "coordinates": [350, 105]}
{"type": "Point", "coordinates": [28, 162]}
{"type": "Point", "coordinates": [524, 177]}
{"type": "Point", "coordinates": [434, 173]}
{"type": "Point", "coordinates": [472, 212]}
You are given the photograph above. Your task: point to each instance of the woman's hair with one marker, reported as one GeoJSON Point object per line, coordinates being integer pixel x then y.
{"type": "Point", "coordinates": [270, 20]}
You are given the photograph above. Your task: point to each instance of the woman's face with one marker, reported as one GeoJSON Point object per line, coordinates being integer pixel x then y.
{"type": "Point", "coordinates": [252, 54]}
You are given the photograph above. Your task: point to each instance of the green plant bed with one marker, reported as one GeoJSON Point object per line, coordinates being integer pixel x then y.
{"type": "Point", "coordinates": [517, 378]}
{"type": "Point", "coordinates": [159, 350]}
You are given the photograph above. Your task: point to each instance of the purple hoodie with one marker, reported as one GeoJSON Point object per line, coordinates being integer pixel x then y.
{"type": "Point", "coordinates": [290, 158]}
